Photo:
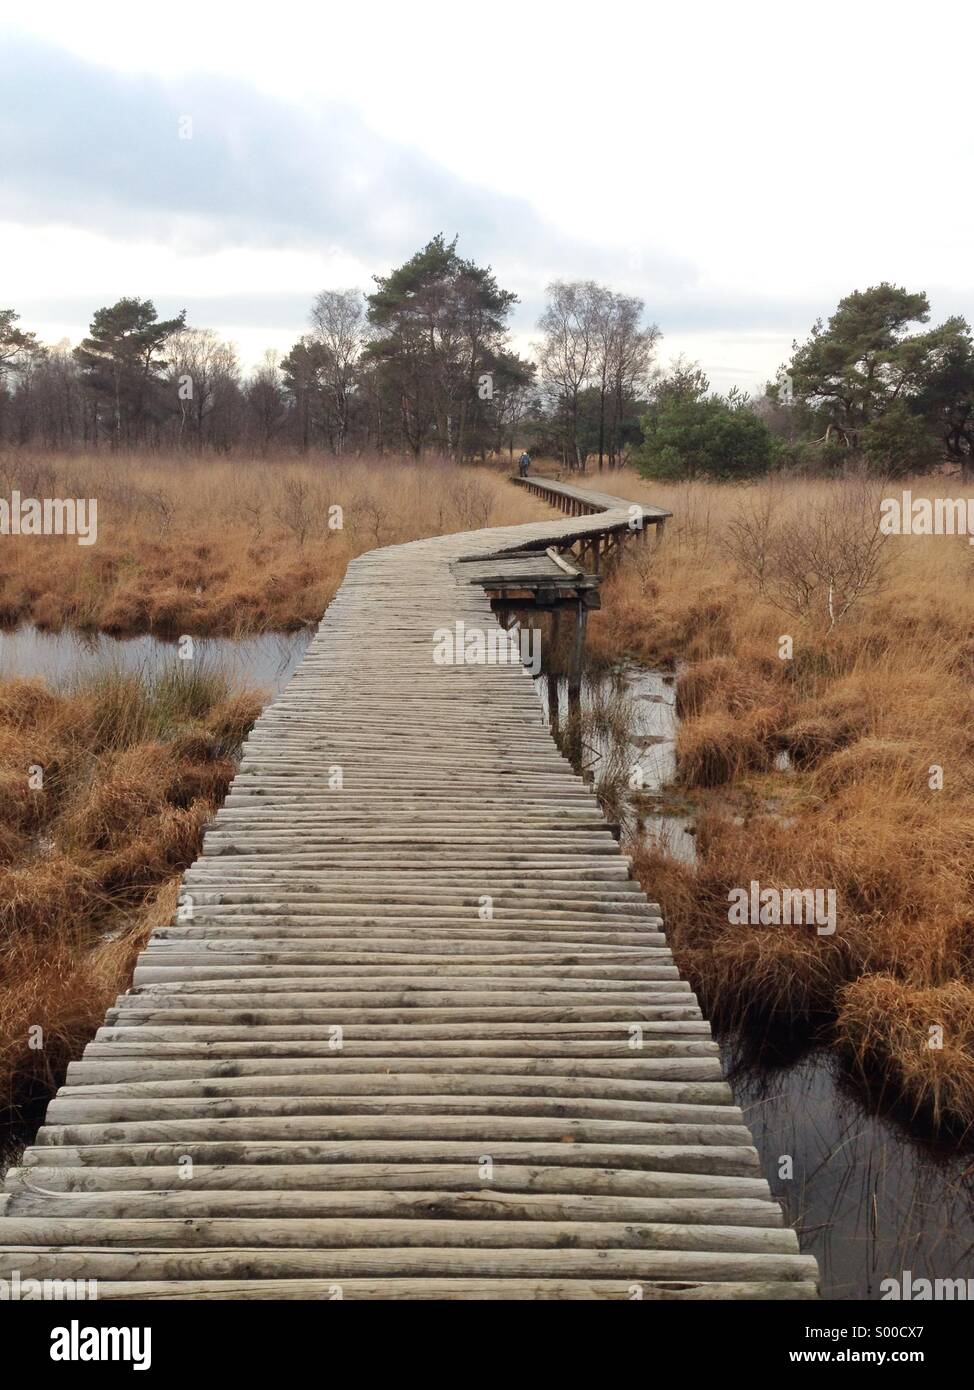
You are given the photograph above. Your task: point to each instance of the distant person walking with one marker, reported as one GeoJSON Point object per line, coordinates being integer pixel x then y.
{"type": "Point", "coordinates": [523, 464]}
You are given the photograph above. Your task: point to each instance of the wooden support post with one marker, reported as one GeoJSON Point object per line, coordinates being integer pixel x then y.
{"type": "Point", "coordinates": [552, 683]}
{"type": "Point", "coordinates": [555, 631]}
{"type": "Point", "coordinates": [660, 528]}
{"type": "Point", "coordinates": [574, 748]}
{"type": "Point", "coordinates": [578, 645]}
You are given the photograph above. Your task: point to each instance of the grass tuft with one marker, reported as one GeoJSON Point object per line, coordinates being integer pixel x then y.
{"type": "Point", "coordinates": [133, 768]}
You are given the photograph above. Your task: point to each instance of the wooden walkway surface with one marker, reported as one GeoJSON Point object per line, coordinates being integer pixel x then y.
{"type": "Point", "coordinates": [421, 1036]}
{"type": "Point", "coordinates": [582, 500]}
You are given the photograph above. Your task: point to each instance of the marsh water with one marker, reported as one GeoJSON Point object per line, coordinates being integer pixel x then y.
{"type": "Point", "coordinates": [264, 662]}
{"type": "Point", "coordinates": [869, 1196]}
{"type": "Point", "coordinates": [628, 734]}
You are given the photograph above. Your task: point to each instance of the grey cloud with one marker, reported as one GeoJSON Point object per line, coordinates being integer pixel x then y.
{"type": "Point", "coordinates": [94, 148]}
{"type": "Point", "coordinates": [247, 310]}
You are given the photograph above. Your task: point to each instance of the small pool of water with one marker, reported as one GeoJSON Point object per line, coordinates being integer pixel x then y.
{"type": "Point", "coordinates": [869, 1200]}
{"type": "Point", "coordinates": [630, 721]}
{"type": "Point", "coordinates": [264, 662]}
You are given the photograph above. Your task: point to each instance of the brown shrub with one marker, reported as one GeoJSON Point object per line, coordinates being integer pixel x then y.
{"type": "Point", "coordinates": [44, 896]}
{"type": "Point", "coordinates": [872, 761]}
{"type": "Point", "coordinates": [26, 703]}
{"type": "Point", "coordinates": [813, 737]}
{"type": "Point", "coordinates": [125, 611]}
{"type": "Point", "coordinates": [171, 611]}
{"type": "Point", "coordinates": [717, 748]}
{"type": "Point", "coordinates": [836, 716]}
{"type": "Point", "coordinates": [884, 1026]}
{"type": "Point", "coordinates": [14, 607]}
{"type": "Point", "coordinates": [122, 791]}
{"type": "Point", "coordinates": [719, 682]}
{"type": "Point", "coordinates": [167, 841]}
{"type": "Point", "coordinates": [63, 984]}
{"type": "Point", "coordinates": [193, 781]}
{"type": "Point", "coordinates": [137, 773]}
{"type": "Point", "coordinates": [230, 721]}
{"type": "Point", "coordinates": [13, 843]}
{"type": "Point", "coordinates": [785, 974]}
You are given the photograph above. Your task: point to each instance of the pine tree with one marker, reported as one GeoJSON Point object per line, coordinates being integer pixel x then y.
{"type": "Point", "coordinates": [122, 365]}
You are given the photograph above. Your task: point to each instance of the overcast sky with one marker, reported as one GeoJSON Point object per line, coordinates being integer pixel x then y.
{"type": "Point", "coordinates": [738, 166]}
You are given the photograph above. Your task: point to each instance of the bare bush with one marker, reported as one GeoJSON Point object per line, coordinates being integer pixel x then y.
{"type": "Point", "coordinates": [369, 515]}
{"type": "Point", "coordinates": [472, 502]}
{"type": "Point", "coordinates": [29, 476]}
{"type": "Point", "coordinates": [751, 532]}
{"type": "Point", "coordinates": [162, 507]}
{"type": "Point", "coordinates": [295, 511]}
{"type": "Point", "coordinates": [817, 562]}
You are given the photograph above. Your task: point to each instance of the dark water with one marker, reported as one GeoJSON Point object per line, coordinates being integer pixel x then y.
{"type": "Point", "coordinates": [869, 1199]}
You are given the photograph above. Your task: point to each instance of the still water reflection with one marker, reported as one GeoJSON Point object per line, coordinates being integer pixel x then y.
{"type": "Point", "coordinates": [869, 1199]}
{"type": "Point", "coordinates": [263, 662]}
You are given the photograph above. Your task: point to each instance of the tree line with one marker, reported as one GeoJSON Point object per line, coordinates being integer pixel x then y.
{"type": "Point", "coordinates": [424, 363]}
{"type": "Point", "coordinates": [870, 389]}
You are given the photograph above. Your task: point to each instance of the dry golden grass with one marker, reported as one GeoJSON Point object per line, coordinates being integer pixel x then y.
{"type": "Point", "coordinates": [62, 984]}
{"type": "Point", "coordinates": [213, 547]}
{"type": "Point", "coordinates": [867, 712]}
{"type": "Point", "coordinates": [90, 861]}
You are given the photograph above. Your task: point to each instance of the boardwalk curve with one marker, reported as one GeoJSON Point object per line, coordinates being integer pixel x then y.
{"type": "Point", "coordinates": [418, 1035]}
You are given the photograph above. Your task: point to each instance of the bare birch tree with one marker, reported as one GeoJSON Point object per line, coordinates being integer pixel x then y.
{"type": "Point", "coordinates": [569, 327]}
{"type": "Point", "coordinates": [338, 322]}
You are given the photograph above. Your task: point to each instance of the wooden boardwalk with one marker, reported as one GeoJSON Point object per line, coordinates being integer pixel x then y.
{"type": "Point", "coordinates": [580, 501]}
{"type": "Point", "coordinates": [419, 1034]}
